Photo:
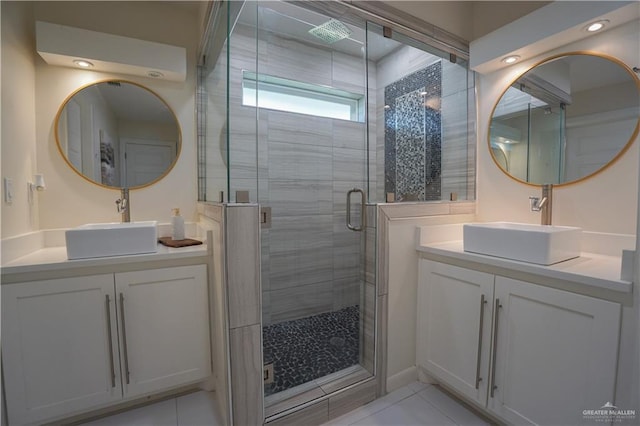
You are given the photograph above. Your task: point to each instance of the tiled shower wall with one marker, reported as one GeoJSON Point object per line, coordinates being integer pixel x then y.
{"type": "Point", "coordinates": [305, 166]}
{"type": "Point", "coordinates": [413, 135]}
{"type": "Point", "coordinates": [457, 155]}
{"type": "Point", "coordinates": [302, 166]}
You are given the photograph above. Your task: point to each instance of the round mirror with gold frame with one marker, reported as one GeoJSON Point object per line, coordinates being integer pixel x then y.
{"type": "Point", "coordinates": [566, 119]}
{"type": "Point", "coordinates": [118, 134]}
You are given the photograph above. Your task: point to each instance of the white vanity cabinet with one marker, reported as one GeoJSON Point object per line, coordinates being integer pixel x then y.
{"type": "Point", "coordinates": [74, 344]}
{"type": "Point", "coordinates": [454, 326]}
{"type": "Point", "coordinates": [555, 353]}
{"type": "Point", "coordinates": [59, 347]}
{"type": "Point", "coordinates": [530, 355]}
{"type": "Point", "coordinates": [163, 322]}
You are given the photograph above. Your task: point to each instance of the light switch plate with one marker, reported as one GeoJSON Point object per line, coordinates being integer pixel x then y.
{"type": "Point", "coordinates": [8, 190]}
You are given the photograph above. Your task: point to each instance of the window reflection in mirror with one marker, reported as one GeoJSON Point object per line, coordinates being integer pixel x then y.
{"type": "Point", "coordinates": [565, 119]}
{"type": "Point", "coordinates": [118, 134]}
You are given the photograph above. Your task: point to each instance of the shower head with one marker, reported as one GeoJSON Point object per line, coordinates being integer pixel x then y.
{"type": "Point", "coordinates": [331, 31]}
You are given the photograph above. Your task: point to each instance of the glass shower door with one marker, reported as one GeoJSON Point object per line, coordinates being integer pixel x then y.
{"type": "Point", "coordinates": [308, 89]}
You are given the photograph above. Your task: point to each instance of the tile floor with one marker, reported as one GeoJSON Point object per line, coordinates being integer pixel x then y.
{"type": "Point", "coordinates": [416, 404]}
{"type": "Point", "coordinates": [195, 409]}
{"type": "Point", "coordinates": [413, 405]}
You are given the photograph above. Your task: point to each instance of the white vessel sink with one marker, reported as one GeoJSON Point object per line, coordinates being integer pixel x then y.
{"type": "Point", "coordinates": [111, 239]}
{"type": "Point", "coordinates": [540, 244]}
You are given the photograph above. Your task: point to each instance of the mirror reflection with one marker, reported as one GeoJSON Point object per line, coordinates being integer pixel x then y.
{"type": "Point", "coordinates": [565, 119]}
{"type": "Point", "coordinates": [118, 134]}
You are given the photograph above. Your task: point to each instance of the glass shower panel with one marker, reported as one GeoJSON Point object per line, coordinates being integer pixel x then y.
{"type": "Point", "coordinates": [244, 126]}
{"type": "Point", "coordinates": [314, 293]}
{"type": "Point", "coordinates": [546, 142]}
{"type": "Point", "coordinates": [212, 112]}
{"type": "Point", "coordinates": [424, 139]}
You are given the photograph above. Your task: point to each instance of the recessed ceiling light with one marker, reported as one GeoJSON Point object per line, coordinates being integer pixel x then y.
{"type": "Point", "coordinates": [82, 63]}
{"type": "Point", "coordinates": [510, 59]}
{"type": "Point", "coordinates": [596, 26]}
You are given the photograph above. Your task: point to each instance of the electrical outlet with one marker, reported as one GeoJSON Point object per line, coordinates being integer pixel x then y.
{"type": "Point", "coordinates": [8, 190]}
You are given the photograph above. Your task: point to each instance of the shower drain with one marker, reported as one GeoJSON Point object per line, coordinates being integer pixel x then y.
{"type": "Point", "coordinates": [336, 341]}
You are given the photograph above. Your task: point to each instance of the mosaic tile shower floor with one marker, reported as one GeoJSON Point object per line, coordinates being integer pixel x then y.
{"type": "Point", "coordinates": [309, 348]}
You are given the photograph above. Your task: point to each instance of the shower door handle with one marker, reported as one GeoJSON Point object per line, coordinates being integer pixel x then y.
{"type": "Point", "coordinates": [363, 201]}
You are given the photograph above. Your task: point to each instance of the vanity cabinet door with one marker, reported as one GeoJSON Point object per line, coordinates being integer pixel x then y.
{"type": "Point", "coordinates": [556, 354]}
{"type": "Point", "coordinates": [454, 326]}
{"type": "Point", "coordinates": [164, 328]}
{"type": "Point", "coordinates": [59, 347]}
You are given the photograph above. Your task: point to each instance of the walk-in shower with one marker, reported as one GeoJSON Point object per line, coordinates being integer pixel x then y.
{"type": "Point", "coordinates": [317, 119]}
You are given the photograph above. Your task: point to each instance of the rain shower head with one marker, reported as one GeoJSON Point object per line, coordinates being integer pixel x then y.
{"type": "Point", "coordinates": [331, 31]}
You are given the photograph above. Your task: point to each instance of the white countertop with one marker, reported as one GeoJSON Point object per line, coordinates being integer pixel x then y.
{"type": "Point", "coordinates": [55, 258]}
{"type": "Point", "coordinates": [596, 270]}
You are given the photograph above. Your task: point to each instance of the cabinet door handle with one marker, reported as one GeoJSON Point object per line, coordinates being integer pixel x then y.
{"type": "Point", "coordinates": [492, 385]}
{"type": "Point", "coordinates": [483, 301]}
{"type": "Point", "coordinates": [124, 338]}
{"type": "Point", "coordinates": [109, 337]}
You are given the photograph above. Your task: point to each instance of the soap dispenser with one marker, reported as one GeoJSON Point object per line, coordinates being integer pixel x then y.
{"type": "Point", "coordinates": [177, 225]}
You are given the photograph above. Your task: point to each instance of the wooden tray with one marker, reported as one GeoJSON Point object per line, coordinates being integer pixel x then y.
{"type": "Point", "coordinates": [170, 242]}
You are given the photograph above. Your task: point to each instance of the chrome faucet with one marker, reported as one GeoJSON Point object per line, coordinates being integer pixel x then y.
{"type": "Point", "coordinates": [124, 205]}
{"type": "Point", "coordinates": [543, 205]}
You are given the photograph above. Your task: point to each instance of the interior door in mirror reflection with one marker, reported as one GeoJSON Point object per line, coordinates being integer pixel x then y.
{"type": "Point", "coordinates": [71, 130]}
{"type": "Point", "coordinates": [100, 123]}
{"type": "Point", "coordinates": [565, 119]}
{"type": "Point", "coordinates": [145, 160]}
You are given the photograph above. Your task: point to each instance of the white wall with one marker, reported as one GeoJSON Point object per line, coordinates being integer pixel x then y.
{"type": "Point", "coordinates": [403, 281]}
{"type": "Point", "coordinates": [34, 90]}
{"type": "Point", "coordinates": [69, 199]}
{"type": "Point", "coordinates": [604, 203]}
{"type": "Point", "coordinates": [467, 19]}
{"type": "Point", "coordinates": [18, 116]}
{"type": "Point", "coordinates": [491, 15]}
{"type": "Point", "coordinates": [452, 16]}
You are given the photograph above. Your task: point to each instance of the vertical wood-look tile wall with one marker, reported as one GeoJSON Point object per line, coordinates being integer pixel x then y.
{"type": "Point", "coordinates": [212, 219]}
{"type": "Point", "coordinates": [304, 167]}
{"type": "Point", "coordinates": [244, 305]}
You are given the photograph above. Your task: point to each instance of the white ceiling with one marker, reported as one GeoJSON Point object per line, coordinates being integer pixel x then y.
{"type": "Point", "coordinates": [294, 22]}
{"type": "Point", "coordinates": [131, 102]}
{"type": "Point", "coordinates": [590, 72]}
{"type": "Point", "coordinates": [547, 28]}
